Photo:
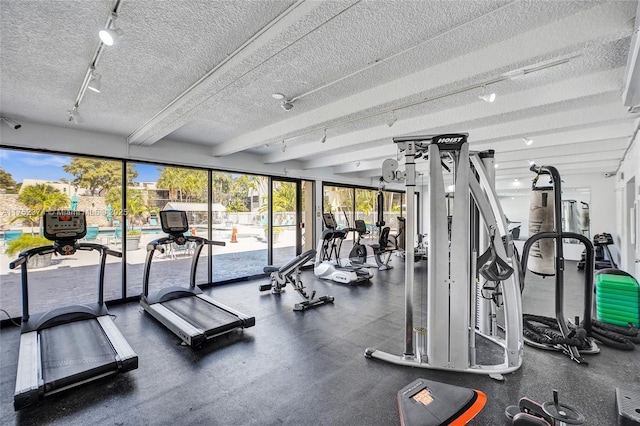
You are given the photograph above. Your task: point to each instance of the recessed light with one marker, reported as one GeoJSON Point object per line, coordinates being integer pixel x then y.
{"type": "Point", "coordinates": [495, 166]}
{"type": "Point", "coordinates": [527, 141]}
{"type": "Point", "coordinates": [277, 96]}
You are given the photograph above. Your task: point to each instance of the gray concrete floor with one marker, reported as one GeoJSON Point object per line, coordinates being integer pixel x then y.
{"type": "Point", "coordinates": [308, 368]}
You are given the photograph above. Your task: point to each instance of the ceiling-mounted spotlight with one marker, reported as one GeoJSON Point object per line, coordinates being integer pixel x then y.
{"type": "Point", "coordinates": [324, 136]}
{"type": "Point", "coordinates": [94, 82]}
{"type": "Point", "coordinates": [527, 141]}
{"type": "Point", "coordinates": [110, 35]}
{"type": "Point", "coordinates": [391, 121]}
{"type": "Point", "coordinates": [11, 123]}
{"type": "Point", "coordinates": [531, 162]}
{"type": "Point", "coordinates": [284, 147]}
{"type": "Point", "coordinates": [74, 116]}
{"type": "Point", "coordinates": [286, 105]}
{"type": "Point", "coordinates": [277, 96]}
{"type": "Point", "coordinates": [487, 97]}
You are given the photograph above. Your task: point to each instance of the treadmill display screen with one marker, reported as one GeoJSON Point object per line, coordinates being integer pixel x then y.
{"type": "Point", "coordinates": [174, 221]}
{"type": "Point", "coordinates": [423, 397]}
{"type": "Point", "coordinates": [64, 225]}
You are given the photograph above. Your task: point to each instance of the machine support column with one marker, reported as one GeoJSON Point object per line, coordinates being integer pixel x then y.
{"type": "Point", "coordinates": [410, 231]}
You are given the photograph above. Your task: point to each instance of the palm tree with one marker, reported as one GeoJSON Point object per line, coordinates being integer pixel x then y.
{"type": "Point", "coordinates": [284, 197]}
{"type": "Point", "coordinates": [136, 203]}
{"type": "Point", "coordinates": [39, 198]}
{"type": "Point", "coordinates": [170, 179]}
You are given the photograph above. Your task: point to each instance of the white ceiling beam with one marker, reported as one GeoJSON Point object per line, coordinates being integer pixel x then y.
{"type": "Point", "coordinates": [251, 54]}
{"type": "Point", "coordinates": [356, 166]}
{"type": "Point", "coordinates": [522, 47]}
{"type": "Point", "coordinates": [359, 140]}
{"type": "Point", "coordinates": [608, 131]}
{"type": "Point", "coordinates": [564, 149]}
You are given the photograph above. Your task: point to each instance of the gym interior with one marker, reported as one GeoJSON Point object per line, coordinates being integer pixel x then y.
{"type": "Point", "coordinates": [315, 212]}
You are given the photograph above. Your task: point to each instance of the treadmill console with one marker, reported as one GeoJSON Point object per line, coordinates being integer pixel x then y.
{"type": "Point", "coordinates": [174, 222]}
{"type": "Point", "coordinates": [64, 225]}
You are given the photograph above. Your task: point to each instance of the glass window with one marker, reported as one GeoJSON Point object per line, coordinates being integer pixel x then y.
{"type": "Point", "coordinates": [151, 189]}
{"type": "Point", "coordinates": [240, 219]}
{"type": "Point", "coordinates": [367, 210]}
{"type": "Point", "coordinates": [285, 223]}
{"type": "Point", "coordinates": [35, 182]}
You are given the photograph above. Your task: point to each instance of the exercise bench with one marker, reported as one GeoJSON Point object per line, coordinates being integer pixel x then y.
{"type": "Point", "coordinates": [280, 276]}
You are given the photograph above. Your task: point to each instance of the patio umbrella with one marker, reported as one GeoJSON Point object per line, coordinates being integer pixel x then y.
{"type": "Point", "coordinates": [74, 202]}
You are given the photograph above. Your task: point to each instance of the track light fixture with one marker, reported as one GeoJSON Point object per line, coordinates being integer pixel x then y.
{"type": "Point", "coordinates": [111, 33]}
{"type": "Point", "coordinates": [527, 141]}
{"type": "Point", "coordinates": [392, 120]}
{"type": "Point", "coordinates": [94, 82]}
{"type": "Point", "coordinates": [491, 97]}
{"type": "Point", "coordinates": [487, 97]}
{"type": "Point", "coordinates": [92, 79]}
{"type": "Point", "coordinates": [11, 123]}
{"type": "Point", "coordinates": [74, 115]}
{"type": "Point", "coordinates": [324, 136]}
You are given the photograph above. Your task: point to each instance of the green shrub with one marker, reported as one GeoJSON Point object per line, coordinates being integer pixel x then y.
{"type": "Point", "coordinates": [26, 242]}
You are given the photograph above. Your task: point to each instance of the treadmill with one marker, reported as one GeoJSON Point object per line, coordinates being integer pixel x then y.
{"type": "Point", "coordinates": [186, 311]}
{"type": "Point", "coordinates": [70, 345]}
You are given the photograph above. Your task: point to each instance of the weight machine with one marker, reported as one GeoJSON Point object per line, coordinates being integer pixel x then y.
{"type": "Point", "coordinates": [458, 305]}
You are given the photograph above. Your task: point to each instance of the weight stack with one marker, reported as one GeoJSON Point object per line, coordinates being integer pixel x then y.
{"type": "Point", "coordinates": [617, 299]}
{"type": "Point", "coordinates": [541, 219]}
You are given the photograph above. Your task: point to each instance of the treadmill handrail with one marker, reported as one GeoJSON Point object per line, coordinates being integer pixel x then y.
{"type": "Point", "coordinates": [42, 250]}
{"type": "Point", "coordinates": [153, 245]}
{"type": "Point", "coordinates": [24, 256]}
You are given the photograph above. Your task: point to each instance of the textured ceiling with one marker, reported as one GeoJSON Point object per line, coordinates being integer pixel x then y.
{"type": "Point", "coordinates": [202, 72]}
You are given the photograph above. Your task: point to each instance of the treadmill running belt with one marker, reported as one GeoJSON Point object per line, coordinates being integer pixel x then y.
{"type": "Point", "coordinates": [203, 315]}
{"type": "Point", "coordinates": [74, 352]}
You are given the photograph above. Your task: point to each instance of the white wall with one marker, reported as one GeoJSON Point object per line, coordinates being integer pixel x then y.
{"type": "Point", "coordinates": [629, 169]}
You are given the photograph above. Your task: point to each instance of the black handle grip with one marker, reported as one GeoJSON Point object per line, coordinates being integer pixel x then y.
{"type": "Point", "coordinates": [114, 253]}
{"type": "Point", "coordinates": [25, 255]}
{"type": "Point", "coordinates": [19, 261]}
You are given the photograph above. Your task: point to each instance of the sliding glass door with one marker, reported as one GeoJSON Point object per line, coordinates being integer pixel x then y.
{"type": "Point", "coordinates": [291, 213]}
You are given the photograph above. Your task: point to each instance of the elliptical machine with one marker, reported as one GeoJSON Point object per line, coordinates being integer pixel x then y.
{"type": "Point", "coordinates": [328, 265]}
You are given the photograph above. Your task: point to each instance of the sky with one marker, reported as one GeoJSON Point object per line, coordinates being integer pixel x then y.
{"type": "Point", "coordinates": [29, 165]}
